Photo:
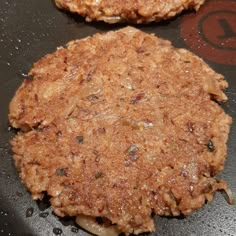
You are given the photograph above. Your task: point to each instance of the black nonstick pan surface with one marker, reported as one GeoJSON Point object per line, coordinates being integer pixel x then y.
{"type": "Point", "coordinates": [29, 29]}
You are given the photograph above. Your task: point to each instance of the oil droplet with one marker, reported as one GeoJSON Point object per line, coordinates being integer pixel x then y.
{"type": "Point", "coordinates": [25, 75]}
{"type": "Point", "coordinates": [57, 231]}
{"type": "Point", "coordinates": [43, 214]}
{"type": "Point", "coordinates": [16, 47]}
{"type": "Point", "coordinates": [8, 63]}
{"type": "Point", "coordinates": [29, 212]}
{"type": "Point", "coordinates": [19, 194]}
{"type": "Point", "coordinates": [3, 213]}
{"type": "Point", "coordinates": [74, 230]}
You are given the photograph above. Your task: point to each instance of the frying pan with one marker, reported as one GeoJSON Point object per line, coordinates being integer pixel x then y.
{"type": "Point", "coordinates": [30, 29]}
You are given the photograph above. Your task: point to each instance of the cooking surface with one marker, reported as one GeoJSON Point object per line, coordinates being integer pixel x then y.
{"type": "Point", "coordinates": [31, 29]}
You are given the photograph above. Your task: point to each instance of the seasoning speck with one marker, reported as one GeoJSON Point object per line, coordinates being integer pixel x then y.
{"type": "Point", "coordinates": [80, 139]}
{"type": "Point", "coordinates": [98, 175]}
{"type": "Point", "coordinates": [133, 149]}
{"type": "Point", "coordinates": [101, 130]}
{"type": "Point", "coordinates": [210, 146]}
{"type": "Point", "coordinates": [93, 98]}
{"type": "Point", "coordinates": [61, 172]}
{"type": "Point", "coordinates": [137, 98]}
{"type": "Point", "coordinates": [190, 127]}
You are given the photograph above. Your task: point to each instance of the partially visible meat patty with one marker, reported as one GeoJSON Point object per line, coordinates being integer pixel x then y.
{"type": "Point", "coordinates": [121, 125]}
{"type": "Point", "coordinates": [136, 11]}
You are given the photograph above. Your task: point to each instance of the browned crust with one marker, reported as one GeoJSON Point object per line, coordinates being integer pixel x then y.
{"type": "Point", "coordinates": [153, 139]}
{"type": "Point", "coordinates": [136, 11]}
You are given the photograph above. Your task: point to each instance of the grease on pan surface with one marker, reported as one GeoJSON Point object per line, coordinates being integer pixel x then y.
{"type": "Point", "coordinates": [136, 11]}
{"type": "Point", "coordinates": [119, 126]}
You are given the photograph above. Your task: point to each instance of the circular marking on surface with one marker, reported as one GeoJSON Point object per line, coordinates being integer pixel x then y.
{"type": "Point", "coordinates": [211, 32]}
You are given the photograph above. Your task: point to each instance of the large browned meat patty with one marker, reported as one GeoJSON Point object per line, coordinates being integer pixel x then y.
{"type": "Point", "coordinates": [120, 125]}
{"type": "Point", "coordinates": [136, 11]}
